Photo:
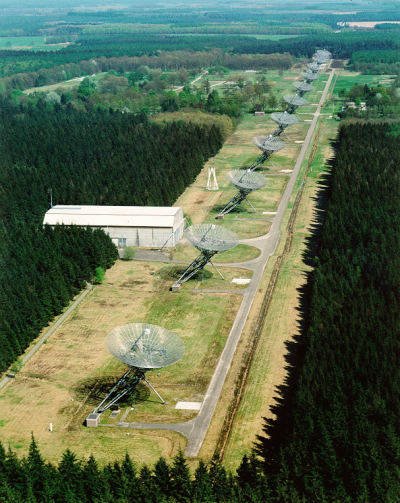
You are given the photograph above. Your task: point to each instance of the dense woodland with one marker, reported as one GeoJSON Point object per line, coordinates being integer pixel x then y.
{"type": "Point", "coordinates": [203, 17]}
{"type": "Point", "coordinates": [85, 158]}
{"type": "Point", "coordinates": [336, 433]}
{"type": "Point", "coordinates": [95, 53]}
{"type": "Point", "coordinates": [379, 62]}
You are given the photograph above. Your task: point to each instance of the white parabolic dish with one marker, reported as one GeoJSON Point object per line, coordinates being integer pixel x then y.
{"type": "Point", "coordinates": [246, 179]}
{"type": "Point", "coordinates": [211, 237]}
{"type": "Point", "coordinates": [145, 346]}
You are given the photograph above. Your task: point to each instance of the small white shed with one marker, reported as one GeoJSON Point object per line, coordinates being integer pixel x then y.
{"type": "Point", "coordinates": [141, 226]}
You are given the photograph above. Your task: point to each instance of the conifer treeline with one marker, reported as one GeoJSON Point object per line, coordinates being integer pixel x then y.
{"type": "Point", "coordinates": [86, 158]}
{"type": "Point", "coordinates": [32, 480]}
{"type": "Point", "coordinates": [337, 433]}
{"type": "Point", "coordinates": [97, 158]}
{"type": "Point", "coordinates": [42, 269]}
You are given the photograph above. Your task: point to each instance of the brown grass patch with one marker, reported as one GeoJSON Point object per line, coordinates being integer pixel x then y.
{"type": "Point", "coordinates": [69, 374]}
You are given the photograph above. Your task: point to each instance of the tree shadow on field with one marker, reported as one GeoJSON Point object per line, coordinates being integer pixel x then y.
{"type": "Point", "coordinates": [275, 431]}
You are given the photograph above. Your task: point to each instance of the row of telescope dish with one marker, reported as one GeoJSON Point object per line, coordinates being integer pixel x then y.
{"type": "Point", "coordinates": [211, 239]}
{"type": "Point", "coordinates": [144, 347]}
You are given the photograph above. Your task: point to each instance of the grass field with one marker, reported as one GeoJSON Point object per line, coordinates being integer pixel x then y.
{"type": "Point", "coordinates": [284, 315]}
{"type": "Point", "coordinates": [34, 43]}
{"type": "Point", "coordinates": [347, 80]}
{"type": "Point", "coordinates": [240, 253]}
{"type": "Point", "coordinates": [56, 384]}
{"type": "Point", "coordinates": [274, 37]}
{"type": "Point", "coordinates": [64, 86]}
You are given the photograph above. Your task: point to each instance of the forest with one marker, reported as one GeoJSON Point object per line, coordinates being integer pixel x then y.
{"type": "Point", "coordinates": [379, 62]}
{"type": "Point", "coordinates": [115, 159]}
{"type": "Point", "coordinates": [72, 18]}
{"type": "Point", "coordinates": [137, 49]}
{"type": "Point", "coordinates": [335, 436]}
{"type": "Point", "coordinates": [336, 433]}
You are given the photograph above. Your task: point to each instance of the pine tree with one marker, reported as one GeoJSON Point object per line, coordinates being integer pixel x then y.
{"type": "Point", "coordinates": [70, 476]}
{"type": "Point", "coordinates": [36, 469]}
{"type": "Point", "coordinates": [222, 484]}
{"type": "Point", "coordinates": [180, 478]}
{"type": "Point", "coordinates": [202, 489]}
{"type": "Point", "coordinates": [93, 482]}
{"type": "Point", "coordinates": [130, 479]}
{"type": "Point", "coordinates": [162, 477]}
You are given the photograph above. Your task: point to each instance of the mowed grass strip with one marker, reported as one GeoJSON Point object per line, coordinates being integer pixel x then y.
{"type": "Point", "coordinates": [282, 323]}
{"type": "Point", "coordinates": [61, 383]}
{"type": "Point", "coordinates": [239, 253]}
{"type": "Point", "coordinates": [52, 386]}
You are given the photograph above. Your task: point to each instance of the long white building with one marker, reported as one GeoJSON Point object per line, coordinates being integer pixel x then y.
{"type": "Point", "coordinates": [139, 226]}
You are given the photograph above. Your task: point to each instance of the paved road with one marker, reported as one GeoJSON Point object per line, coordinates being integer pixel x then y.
{"type": "Point", "coordinates": [196, 429]}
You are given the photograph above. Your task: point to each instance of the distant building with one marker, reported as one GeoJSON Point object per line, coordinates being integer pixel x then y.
{"type": "Point", "coordinates": [141, 226]}
{"type": "Point", "coordinates": [352, 104]}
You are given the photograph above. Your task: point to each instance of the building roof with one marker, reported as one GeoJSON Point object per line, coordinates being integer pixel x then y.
{"type": "Point", "coordinates": [113, 216]}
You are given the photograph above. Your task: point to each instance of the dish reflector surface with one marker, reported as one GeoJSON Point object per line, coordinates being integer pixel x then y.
{"type": "Point", "coordinates": [145, 346]}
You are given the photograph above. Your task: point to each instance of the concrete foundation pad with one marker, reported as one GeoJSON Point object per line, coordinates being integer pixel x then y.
{"type": "Point", "coordinates": [241, 281]}
{"type": "Point", "coordinates": [93, 420]}
{"type": "Point", "coordinates": [189, 405]}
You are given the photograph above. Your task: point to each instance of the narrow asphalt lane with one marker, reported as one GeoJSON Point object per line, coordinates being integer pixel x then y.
{"type": "Point", "coordinates": [195, 430]}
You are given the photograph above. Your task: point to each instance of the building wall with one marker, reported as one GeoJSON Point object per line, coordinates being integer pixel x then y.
{"type": "Point", "coordinates": [144, 236]}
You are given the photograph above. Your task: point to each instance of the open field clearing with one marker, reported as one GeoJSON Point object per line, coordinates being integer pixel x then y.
{"type": "Point", "coordinates": [64, 86]}
{"type": "Point", "coordinates": [208, 278]}
{"type": "Point", "coordinates": [34, 43]}
{"type": "Point", "coordinates": [369, 24]}
{"type": "Point", "coordinates": [240, 253]}
{"type": "Point", "coordinates": [283, 320]}
{"type": "Point", "coordinates": [67, 377]}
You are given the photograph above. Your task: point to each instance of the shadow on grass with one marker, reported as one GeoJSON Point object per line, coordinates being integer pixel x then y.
{"type": "Point", "coordinates": [173, 273]}
{"type": "Point", "coordinates": [276, 432]}
{"type": "Point", "coordinates": [95, 389]}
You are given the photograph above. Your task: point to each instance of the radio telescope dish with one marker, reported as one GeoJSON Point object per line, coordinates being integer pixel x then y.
{"type": "Point", "coordinates": [145, 346]}
{"type": "Point", "coordinates": [320, 59]}
{"type": "Point", "coordinates": [303, 87]}
{"type": "Point", "coordinates": [309, 76]}
{"type": "Point", "coordinates": [269, 144]}
{"type": "Point", "coordinates": [284, 118]}
{"type": "Point", "coordinates": [295, 100]}
{"type": "Point", "coordinates": [314, 67]}
{"type": "Point", "coordinates": [323, 52]}
{"type": "Point", "coordinates": [209, 239]}
{"type": "Point", "coordinates": [246, 181]}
